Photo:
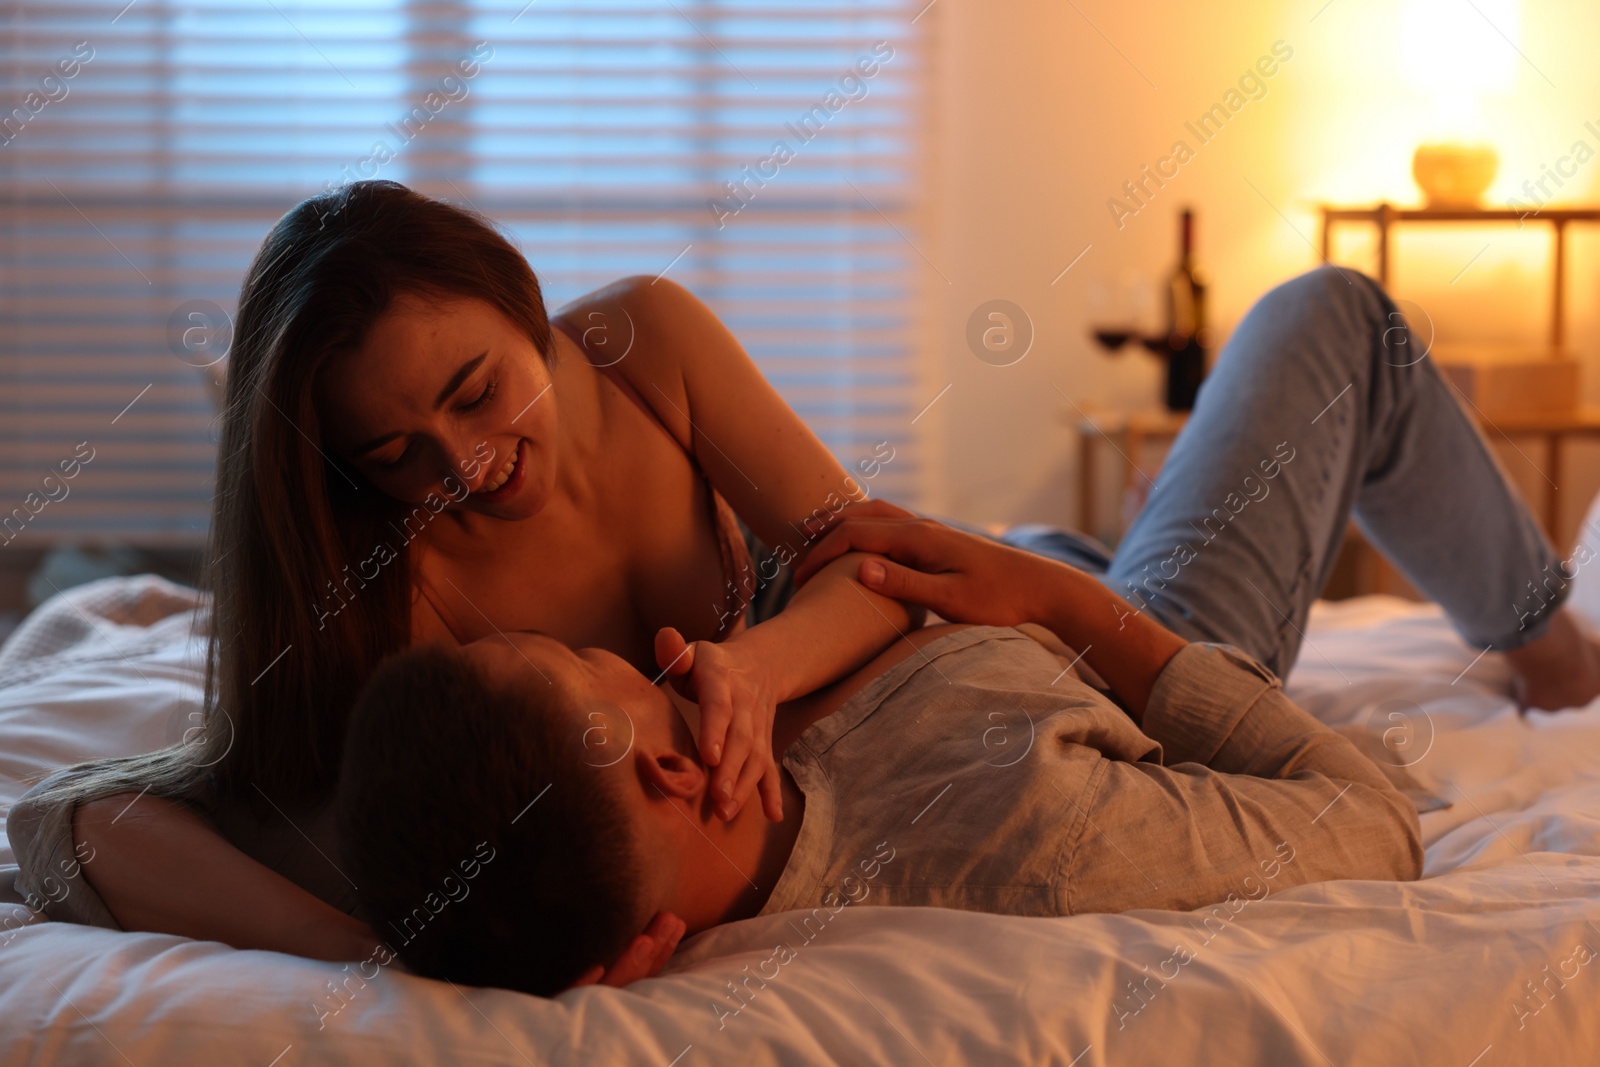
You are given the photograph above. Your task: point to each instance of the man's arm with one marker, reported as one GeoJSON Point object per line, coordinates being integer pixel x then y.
{"type": "Point", "coordinates": [1255, 796]}
{"type": "Point", "coordinates": [966, 578]}
{"type": "Point", "coordinates": [1122, 646]}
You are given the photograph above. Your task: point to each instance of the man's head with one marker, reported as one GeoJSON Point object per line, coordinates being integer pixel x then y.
{"type": "Point", "coordinates": [507, 809]}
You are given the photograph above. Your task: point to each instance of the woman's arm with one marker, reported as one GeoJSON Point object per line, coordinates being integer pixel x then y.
{"type": "Point", "coordinates": [161, 867]}
{"type": "Point", "coordinates": [780, 479]}
{"type": "Point", "coordinates": [829, 628]}
{"type": "Point", "coordinates": [787, 486]}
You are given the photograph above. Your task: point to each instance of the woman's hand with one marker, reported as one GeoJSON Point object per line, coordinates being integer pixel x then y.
{"type": "Point", "coordinates": [644, 958]}
{"type": "Point", "coordinates": [963, 577]}
{"type": "Point", "coordinates": [738, 702]}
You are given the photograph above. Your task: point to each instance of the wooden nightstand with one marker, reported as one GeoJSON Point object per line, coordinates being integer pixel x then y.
{"type": "Point", "coordinates": [1130, 433]}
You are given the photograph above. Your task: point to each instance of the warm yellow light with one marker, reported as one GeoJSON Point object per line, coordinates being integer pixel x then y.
{"type": "Point", "coordinates": [1456, 53]}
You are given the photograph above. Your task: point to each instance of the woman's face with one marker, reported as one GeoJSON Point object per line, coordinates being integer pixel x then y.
{"type": "Point", "coordinates": [445, 387]}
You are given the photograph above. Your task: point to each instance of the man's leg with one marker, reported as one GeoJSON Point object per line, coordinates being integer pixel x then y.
{"type": "Point", "coordinates": [1321, 408]}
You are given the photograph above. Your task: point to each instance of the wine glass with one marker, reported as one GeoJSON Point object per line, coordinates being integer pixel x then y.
{"type": "Point", "coordinates": [1121, 309]}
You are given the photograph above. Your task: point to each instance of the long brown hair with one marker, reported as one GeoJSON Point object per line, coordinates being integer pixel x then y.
{"type": "Point", "coordinates": [297, 624]}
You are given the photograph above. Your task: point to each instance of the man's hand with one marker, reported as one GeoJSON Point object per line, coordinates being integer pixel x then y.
{"type": "Point", "coordinates": [855, 509]}
{"type": "Point", "coordinates": [966, 578]}
{"type": "Point", "coordinates": [963, 577]}
{"type": "Point", "coordinates": [644, 958]}
{"type": "Point", "coordinates": [738, 702]}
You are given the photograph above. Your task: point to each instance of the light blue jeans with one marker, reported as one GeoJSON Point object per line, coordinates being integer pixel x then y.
{"type": "Point", "coordinates": [1321, 409]}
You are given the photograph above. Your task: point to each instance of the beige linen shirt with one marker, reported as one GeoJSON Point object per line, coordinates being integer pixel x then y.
{"type": "Point", "coordinates": [975, 775]}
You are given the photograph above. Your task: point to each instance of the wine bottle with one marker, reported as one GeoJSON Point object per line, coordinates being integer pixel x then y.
{"type": "Point", "coordinates": [1187, 333]}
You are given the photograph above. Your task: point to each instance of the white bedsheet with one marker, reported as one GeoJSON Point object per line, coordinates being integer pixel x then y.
{"type": "Point", "coordinates": [1438, 971]}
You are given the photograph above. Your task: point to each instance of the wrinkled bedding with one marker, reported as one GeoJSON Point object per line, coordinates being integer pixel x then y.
{"type": "Point", "coordinates": [1490, 959]}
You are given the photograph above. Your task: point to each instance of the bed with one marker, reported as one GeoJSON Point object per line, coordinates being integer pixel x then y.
{"type": "Point", "coordinates": [1492, 958]}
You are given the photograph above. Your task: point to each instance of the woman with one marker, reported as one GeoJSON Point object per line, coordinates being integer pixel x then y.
{"type": "Point", "coordinates": [409, 452]}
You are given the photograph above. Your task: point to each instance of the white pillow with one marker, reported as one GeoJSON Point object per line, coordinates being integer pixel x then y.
{"type": "Point", "coordinates": [1584, 600]}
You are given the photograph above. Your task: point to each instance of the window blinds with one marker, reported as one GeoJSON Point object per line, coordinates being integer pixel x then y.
{"type": "Point", "coordinates": [764, 154]}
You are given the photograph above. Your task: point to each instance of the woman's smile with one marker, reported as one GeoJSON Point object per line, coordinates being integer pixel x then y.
{"type": "Point", "coordinates": [504, 482]}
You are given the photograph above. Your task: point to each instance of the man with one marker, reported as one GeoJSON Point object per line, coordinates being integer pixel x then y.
{"type": "Point", "coordinates": [967, 766]}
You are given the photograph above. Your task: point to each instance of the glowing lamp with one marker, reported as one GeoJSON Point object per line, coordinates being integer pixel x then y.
{"type": "Point", "coordinates": [1455, 55]}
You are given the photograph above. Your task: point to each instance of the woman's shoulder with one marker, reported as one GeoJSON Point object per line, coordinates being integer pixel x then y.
{"type": "Point", "coordinates": [631, 333]}
{"type": "Point", "coordinates": [641, 324]}
{"type": "Point", "coordinates": [659, 338]}
{"type": "Point", "coordinates": [637, 294]}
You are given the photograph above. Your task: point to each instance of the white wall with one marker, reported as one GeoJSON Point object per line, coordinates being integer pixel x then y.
{"type": "Point", "coordinates": [1043, 108]}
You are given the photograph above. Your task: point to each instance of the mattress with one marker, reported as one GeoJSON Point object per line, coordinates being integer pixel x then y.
{"type": "Point", "coordinates": [1492, 958]}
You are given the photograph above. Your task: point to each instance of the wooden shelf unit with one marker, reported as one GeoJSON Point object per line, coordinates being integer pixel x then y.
{"type": "Point", "coordinates": [1137, 431]}
{"type": "Point", "coordinates": [1387, 217]}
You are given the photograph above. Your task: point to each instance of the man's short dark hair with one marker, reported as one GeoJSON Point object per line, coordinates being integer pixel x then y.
{"type": "Point", "coordinates": [457, 868]}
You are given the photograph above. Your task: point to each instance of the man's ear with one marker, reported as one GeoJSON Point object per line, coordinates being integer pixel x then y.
{"type": "Point", "coordinates": [672, 773]}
